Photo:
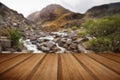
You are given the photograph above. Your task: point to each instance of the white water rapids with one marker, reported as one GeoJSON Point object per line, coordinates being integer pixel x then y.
{"type": "Point", "coordinates": [33, 48]}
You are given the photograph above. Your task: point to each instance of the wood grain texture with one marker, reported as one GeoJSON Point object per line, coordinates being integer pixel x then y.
{"type": "Point", "coordinates": [106, 62]}
{"type": "Point", "coordinates": [72, 70]}
{"type": "Point", "coordinates": [112, 57]}
{"type": "Point", "coordinates": [6, 57]}
{"type": "Point", "coordinates": [13, 62]}
{"type": "Point", "coordinates": [99, 70]}
{"type": "Point", "coordinates": [48, 69]}
{"type": "Point", "coordinates": [59, 66]}
{"type": "Point", "coordinates": [22, 71]}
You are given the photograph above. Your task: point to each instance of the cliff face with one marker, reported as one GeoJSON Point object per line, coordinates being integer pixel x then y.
{"type": "Point", "coordinates": [103, 10]}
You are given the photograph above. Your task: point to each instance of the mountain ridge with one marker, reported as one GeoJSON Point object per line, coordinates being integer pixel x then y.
{"type": "Point", "coordinates": [103, 10]}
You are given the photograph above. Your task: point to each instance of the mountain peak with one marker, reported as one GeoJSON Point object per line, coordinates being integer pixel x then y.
{"type": "Point", "coordinates": [48, 13]}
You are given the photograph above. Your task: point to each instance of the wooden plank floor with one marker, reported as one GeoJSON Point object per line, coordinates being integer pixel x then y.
{"type": "Point", "coordinates": [60, 66]}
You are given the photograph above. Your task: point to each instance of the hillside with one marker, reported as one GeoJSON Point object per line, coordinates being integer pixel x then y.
{"type": "Point", "coordinates": [103, 10]}
{"type": "Point", "coordinates": [54, 17]}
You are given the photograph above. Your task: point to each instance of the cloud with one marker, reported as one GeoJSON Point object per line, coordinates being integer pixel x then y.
{"type": "Point", "coordinates": [83, 5]}
{"type": "Point", "coordinates": [28, 6]}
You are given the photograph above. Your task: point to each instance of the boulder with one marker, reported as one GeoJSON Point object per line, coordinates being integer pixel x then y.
{"type": "Point", "coordinates": [65, 45]}
{"type": "Point", "coordinates": [81, 48]}
{"type": "Point", "coordinates": [56, 39]}
{"type": "Point", "coordinates": [60, 43]}
{"type": "Point", "coordinates": [5, 43]}
{"type": "Point", "coordinates": [63, 40]}
{"type": "Point", "coordinates": [40, 40]}
{"type": "Point", "coordinates": [55, 49]}
{"type": "Point", "coordinates": [49, 44]}
{"type": "Point", "coordinates": [45, 49]}
{"type": "Point", "coordinates": [69, 41]}
{"type": "Point", "coordinates": [39, 46]}
{"type": "Point", "coordinates": [33, 38]}
{"type": "Point", "coordinates": [34, 42]}
{"type": "Point", "coordinates": [73, 46]}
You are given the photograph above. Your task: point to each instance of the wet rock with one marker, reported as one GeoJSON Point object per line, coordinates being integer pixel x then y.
{"type": "Point", "coordinates": [34, 42]}
{"type": "Point", "coordinates": [56, 39]}
{"type": "Point", "coordinates": [63, 40]}
{"type": "Point", "coordinates": [69, 41]}
{"type": "Point", "coordinates": [49, 44]}
{"type": "Point", "coordinates": [45, 49]}
{"type": "Point", "coordinates": [39, 46]}
{"type": "Point", "coordinates": [81, 48]}
{"type": "Point", "coordinates": [42, 34]}
{"type": "Point", "coordinates": [60, 43]}
{"type": "Point", "coordinates": [73, 46]}
{"type": "Point", "coordinates": [41, 40]}
{"type": "Point", "coordinates": [55, 49]}
{"type": "Point", "coordinates": [65, 45]}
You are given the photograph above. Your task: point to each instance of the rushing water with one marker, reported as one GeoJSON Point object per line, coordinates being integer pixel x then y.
{"type": "Point", "coordinates": [30, 47]}
{"type": "Point", "coordinates": [33, 48]}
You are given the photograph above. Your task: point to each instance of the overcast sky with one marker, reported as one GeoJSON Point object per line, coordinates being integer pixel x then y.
{"type": "Point", "coordinates": [28, 6]}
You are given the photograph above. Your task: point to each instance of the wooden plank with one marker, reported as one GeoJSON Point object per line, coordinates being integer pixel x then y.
{"type": "Point", "coordinates": [48, 69]}
{"type": "Point", "coordinates": [106, 62]}
{"type": "Point", "coordinates": [115, 54]}
{"type": "Point", "coordinates": [7, 57]}
{"type": "Point", "coordinates": [99, 70]}
{"type": "Point", "coordinates": [11, 63]}
{"type": "Point", "coordinates": [62, 67]}
{"type": "Point", "coordinates": [112, 57]}
{"type": "Point", "coordinates": [72, 70]}
{"type": "Point", "coordinates": [22, 71]}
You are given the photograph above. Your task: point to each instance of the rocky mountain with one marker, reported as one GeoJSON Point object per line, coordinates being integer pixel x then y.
{"type": "Point", "coordinates": [54, 17]}
{"type": "Point", "coordinates": [103, 10]}
{"type": "Point", "coordinates": [48, 13]}
{"type": "Point", "coordinates": [10, 19]}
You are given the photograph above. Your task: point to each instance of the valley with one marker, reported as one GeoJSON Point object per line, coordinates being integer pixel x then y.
{"type": "Point", "coordinates": [55, 29]}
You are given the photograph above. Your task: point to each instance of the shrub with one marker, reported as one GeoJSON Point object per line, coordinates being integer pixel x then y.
{"type": "Point", "coordinates": [107, 32]}
{"type": "Point", "coordinates": [80, 33]}
{"type": "Point", "coordinates": [14, 36]}
{"type": "Point", "coordinates": [74, 27]}
{"type": "Point", "coordinates": [99, 44]}
{"type": "Point", "coordinates": [103, 27]}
